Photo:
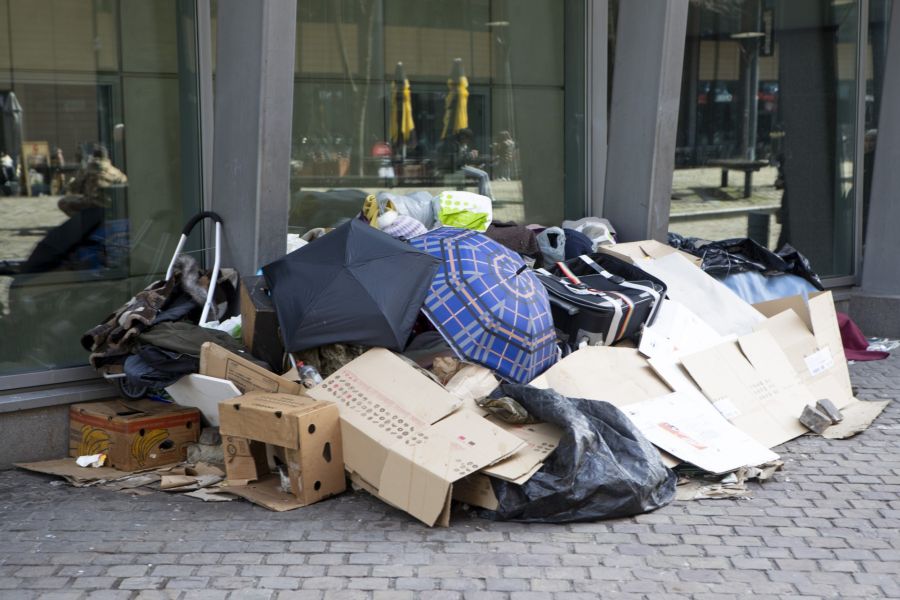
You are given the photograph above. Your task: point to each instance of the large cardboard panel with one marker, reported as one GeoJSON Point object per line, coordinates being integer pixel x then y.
{"type": "Point", "coordinates": [757, 398]}
{"type": "Point", "coordinates": [618, 375]}
{"type": "Point", "coordinates": [138, 434]}
{"type": "Point", "coordinates": [203, 393]}
{"type": "Point", "coordinates": [216, 361]}
{"type": "Point", "coordinates": [707, 297]}
{"type": "Point", "coordinates": [386, 403]}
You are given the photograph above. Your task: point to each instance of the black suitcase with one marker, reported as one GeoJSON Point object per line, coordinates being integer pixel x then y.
{"type": "Point", "coordinates": [598, 300]}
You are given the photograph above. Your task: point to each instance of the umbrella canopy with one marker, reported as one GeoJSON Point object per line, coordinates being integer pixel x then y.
{"type": "Point", "coordinates": [488, 306]}
{"type": "Point", "coordinates": [456, 104]}
{"type": "Point", "coordinates": [355, 285]}
{"type": "Point", "coordinates": [402, 125]}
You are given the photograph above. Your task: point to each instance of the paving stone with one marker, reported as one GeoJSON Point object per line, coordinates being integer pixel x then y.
{"type": "Point", "coordinates": [826, 526]}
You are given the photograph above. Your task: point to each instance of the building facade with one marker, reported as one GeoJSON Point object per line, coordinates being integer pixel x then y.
{"type": "Point", "coordinates": [773, 119]}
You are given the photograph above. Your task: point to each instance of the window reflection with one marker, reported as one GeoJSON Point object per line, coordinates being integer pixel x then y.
{"type": "Point", "coordinates": [766, 137]}
{"type": "Point", "coordinates": [408, 96]}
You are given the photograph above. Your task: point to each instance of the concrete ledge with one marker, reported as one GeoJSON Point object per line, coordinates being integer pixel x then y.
{"type": "Point", "coordinates": [876, 314]}
{"type": "Point", "coordinates": [34, 423]}
{"type": "Point", "coordinates": [36, 434]}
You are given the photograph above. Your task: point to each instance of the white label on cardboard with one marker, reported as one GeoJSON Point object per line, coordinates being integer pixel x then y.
{"type": "Point", "coordinates": [727, 408]}
{"type": "Point", "coordinates": [819, 361]}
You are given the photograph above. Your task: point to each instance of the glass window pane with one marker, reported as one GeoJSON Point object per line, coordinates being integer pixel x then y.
{"type": "Point", "coordinates": [351, 60]}
{"type": "Point", "coordinates": [766, 137]}
{"type": "Point", "coordinates": [94, 155]}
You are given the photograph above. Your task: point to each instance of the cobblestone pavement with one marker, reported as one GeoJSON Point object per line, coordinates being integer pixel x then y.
{"type": "Point", "coordinates": [827, 527]}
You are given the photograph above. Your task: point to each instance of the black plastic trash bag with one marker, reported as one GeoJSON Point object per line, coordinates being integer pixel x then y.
{"type": "Point", "coordinates": [603, 467]}
{"type": "Point", "coordinates": [737, 255]}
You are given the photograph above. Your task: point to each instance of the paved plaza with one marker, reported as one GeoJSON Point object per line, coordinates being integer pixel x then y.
{"type": "Point", "coordinates": [828, 526]}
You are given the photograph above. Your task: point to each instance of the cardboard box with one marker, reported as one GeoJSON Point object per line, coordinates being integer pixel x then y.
{"type": "Point", "coordinates": [303, 435]}
{"type": "Point", "coordinates": [404, 438]}
{"type": "Point", "coordinates": [216, 361]}
{"type": "Point", "coordinates": [139, 434]}
{"type": "Point", "coordinates": [259, 322]}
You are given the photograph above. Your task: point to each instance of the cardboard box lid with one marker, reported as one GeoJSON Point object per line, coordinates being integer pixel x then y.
{"type": "Point", "coordinates": [133, 415]}
{"type": "Point", "coordinates": [265, 417]}
{"type": "Point", "coordinates": [216, 361]}
{"type": "Point", "coordinates": [402, 436]}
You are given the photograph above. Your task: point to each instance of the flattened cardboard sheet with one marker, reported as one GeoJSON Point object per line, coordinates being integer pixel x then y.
{"type": "Point", "coordinates": [759, 392]}
{"type": "Point", "coordinates": [67, 469]}
{"type": "Point", "coordinates": [707, 297]}
{"type": "Point", "coordinates": [686, 425]}
{"type": "Point", "coordinates": [857, 418]}
{"type": "Point", "coordinates": [618, 375]}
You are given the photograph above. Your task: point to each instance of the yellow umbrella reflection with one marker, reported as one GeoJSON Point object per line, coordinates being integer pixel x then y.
{"type": "Point", "coordinates": [402, 124]}
{"type": "Point", "coordinates": [456, 105]}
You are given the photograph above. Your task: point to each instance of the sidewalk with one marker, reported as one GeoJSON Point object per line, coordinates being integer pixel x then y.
{"type": "Point", "coordinates": [827, 526]}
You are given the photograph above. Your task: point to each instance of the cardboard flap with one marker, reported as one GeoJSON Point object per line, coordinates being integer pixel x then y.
{"type": "Point", "coordinates": [823, 317]}
{"type": "Point", "coordinates": [824, 374]}
{"type": "Point", "coordinates": [264, 417]}
{"type": "Point", "coordinates": [540, 440]}
{"type": "Point", "coordinates": [618, 375]}
{"type": "Point", "coordinates": [379, 379]}
{"type": "Point", "coordinates": [216, 361]}
{"type": "Point", "coordinates": [411, 488]}
{"type": "Point", "coordinates": [266, 492]}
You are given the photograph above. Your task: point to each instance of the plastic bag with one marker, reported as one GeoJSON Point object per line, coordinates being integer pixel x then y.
{"type": "Point", "coordinates": [464, 210]}
{"type": "Point", "coordinates": [417, 205]}
{"type": "Point", "coordinates": [603, 467]}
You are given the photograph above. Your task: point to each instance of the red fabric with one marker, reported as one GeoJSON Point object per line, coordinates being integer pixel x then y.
{"type": "Point", "coordinates": [855, 343]}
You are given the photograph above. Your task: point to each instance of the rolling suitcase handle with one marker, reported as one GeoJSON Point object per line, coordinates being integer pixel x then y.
{"type": "Point", "coordinates": [214, 276]}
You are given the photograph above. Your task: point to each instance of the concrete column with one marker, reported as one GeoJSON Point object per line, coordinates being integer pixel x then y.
{"type": "Point", "coordinates": [643, 119]}
{"type": "Point", "coordinates": [252, 139]}
{"type": "Point", "coordinates": [876, 304]}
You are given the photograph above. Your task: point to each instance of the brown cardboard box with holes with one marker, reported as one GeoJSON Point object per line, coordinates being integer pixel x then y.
{"type": "Point", "coordinates": [300, 435]}
{"type": "Point", "coordinates": [134, 434]}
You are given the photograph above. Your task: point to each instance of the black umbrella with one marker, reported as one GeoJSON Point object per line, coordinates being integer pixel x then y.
{"type": "Point", "coordinates": [354, 285]}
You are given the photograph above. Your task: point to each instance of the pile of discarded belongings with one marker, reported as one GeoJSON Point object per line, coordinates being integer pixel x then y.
{"type": "Point", "coordinates": [425, 354]}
